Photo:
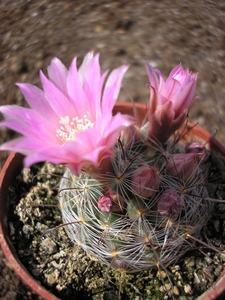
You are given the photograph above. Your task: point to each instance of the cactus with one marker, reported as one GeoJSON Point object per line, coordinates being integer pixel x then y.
{"type": "Point", "coordinates": [135, 193]}
{"type": "Point", "coordinates": [145, 208]}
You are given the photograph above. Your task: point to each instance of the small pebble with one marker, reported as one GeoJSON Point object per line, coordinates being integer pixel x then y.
{"type": "Point", "coordinates": [187, 289]}
{"type": "Point", "coordinates": [176, 291]}
{"type": "Point", "coordinates": [208, 260]}
{"type": "Point", "coordinates": [49, 245]}
{"type": "Point", "coordinates": [53, 277]}
{"type": "Point", "coordinates": [27, 229]}
{"type": "Point", "coordinates": [190, 261]}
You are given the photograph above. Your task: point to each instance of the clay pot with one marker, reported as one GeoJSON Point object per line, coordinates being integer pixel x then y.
{"type": "Point", "coordinates": [14, 164]}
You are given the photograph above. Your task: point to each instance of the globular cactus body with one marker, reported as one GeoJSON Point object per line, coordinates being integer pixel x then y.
{"type": "Point", "coordinates": [130, 221]}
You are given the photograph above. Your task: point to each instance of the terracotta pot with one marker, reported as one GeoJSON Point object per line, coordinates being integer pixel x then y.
{"type": "Point", "coordinates": [14, 164]}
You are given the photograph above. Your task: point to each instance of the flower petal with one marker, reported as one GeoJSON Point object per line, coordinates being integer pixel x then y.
{"type": "Point", "coordinates": [112, 88]}
{"type": "Point", "coordinates": [58, 101]}
{"type": "Point", "coordinates": [75, 91]}
{"type": "Point", "coordinates": [35, 97]}
{"type": "Point", "coordinates": [28, 122]}
{"type": "Point", "coordinates": [92, 82]}
{"type": "Point", "coordinates": [57, 73]}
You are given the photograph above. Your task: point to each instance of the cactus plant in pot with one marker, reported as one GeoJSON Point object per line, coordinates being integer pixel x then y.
{"type": "Point", "coordinates": [137, 192]}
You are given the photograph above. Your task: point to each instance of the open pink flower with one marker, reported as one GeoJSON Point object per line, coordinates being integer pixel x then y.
{"type": "Point", "coordinates": [170, 100]}
{"type": "Point", "coordinates": [70, 121]}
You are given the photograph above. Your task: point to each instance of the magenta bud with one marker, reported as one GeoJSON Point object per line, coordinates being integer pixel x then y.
{"type": "Point", "coordinates": [199, 149]}
{"type": "Point", "coordinates": [182, 165]}
{"type": "Point", "coordinates": [111, 202]}
{"type": "Point", "coordinates": [145, 181]}
{"type": "Point", "coordinates": [170, 204]}
{"type": "Point", "coordinates": [105, 204]}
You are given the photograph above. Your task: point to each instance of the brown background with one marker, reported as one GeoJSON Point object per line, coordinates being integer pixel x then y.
{"type": "Point", "coordinates": [162, 32]}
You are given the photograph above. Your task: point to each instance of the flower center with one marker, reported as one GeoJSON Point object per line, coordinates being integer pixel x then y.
{"type": "Point", "coordinates": [70, 127]}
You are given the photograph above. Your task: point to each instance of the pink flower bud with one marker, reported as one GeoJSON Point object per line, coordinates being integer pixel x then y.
{"type": "Point", "coordinates": [170, 100]}
{"type": "Point", "coordinates": [145, 181]}
{"type": "Point", "coordinates": [105, 204]}
{"type": "Point", "coordinates": [199, 149]}
{"type": "Point", "coordinates": [182, 165]}
{"type": "Point", "coordinates": [129, 136]}
{"type": "Point", "coordinates": [111, 202]}
{"type": "Point", "coordinates": [170, 204]}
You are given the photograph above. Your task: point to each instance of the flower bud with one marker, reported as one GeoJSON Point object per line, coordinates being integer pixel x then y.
{"type": "Point", "coordinates": [111, 202]}
{"type": "Point", "coordinates": [170, 100]}
{"type": "Point", "coordinates": [182, 165]}
{"type": "Point", "coordinates": [170, 204]}
{"type": "Point", "coordinates": [199, 149]}
{"type": "Point", "coordinates": [128, 136]}
{"type": "Point", "coordinates": [145, 181]}
{"type": "Point", "coordinates": [105, 204]}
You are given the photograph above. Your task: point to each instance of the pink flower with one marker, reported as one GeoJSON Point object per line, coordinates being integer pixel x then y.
{"type": "Point", "coordinates": [170, 100]}
{"type": "Point", "coordinates": [145, 181]}
{"type": "Point", "coordinates": [170, 204]}
{"type": "Point", "coordinates": [70, 122]}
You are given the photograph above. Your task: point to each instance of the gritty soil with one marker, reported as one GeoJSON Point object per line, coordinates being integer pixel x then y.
{"type": "Point", "coordinates": [162, 32]}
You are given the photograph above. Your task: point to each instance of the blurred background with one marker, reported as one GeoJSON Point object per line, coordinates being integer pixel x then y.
{"type": "Point", "coordinates": [164, 33]}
